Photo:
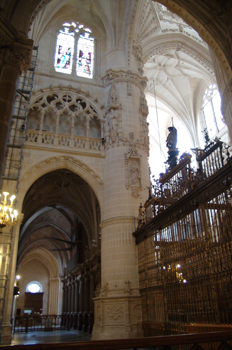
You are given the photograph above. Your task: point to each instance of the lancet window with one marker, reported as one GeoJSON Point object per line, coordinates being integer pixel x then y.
{"type": "Point", "coordinates": [75, 50]}
{"type": "Point", "coordinates": [211, 109]}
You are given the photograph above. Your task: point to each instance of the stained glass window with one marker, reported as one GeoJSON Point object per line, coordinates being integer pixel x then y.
{"type": "Point", "coordinates": [85, 53]}
{"type": "Point", "coordinates": [64, 51]}
{"type": "Point", "coordinates": [75, 34]}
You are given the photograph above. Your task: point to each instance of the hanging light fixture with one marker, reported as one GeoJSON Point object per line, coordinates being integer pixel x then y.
{"type": "Point", "coordinates": [7, 214]}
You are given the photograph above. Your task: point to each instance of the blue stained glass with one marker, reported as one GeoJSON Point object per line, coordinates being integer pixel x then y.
{"type": "Point", "coordinates": [85, 56]}
{"type": "Point", "coordinates": [64, 51]}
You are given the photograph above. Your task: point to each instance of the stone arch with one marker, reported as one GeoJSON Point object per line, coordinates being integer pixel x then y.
{"type": "Point", "coordinates": [46, 258]}
{"type": "Point", "coordinates": [60, 162]}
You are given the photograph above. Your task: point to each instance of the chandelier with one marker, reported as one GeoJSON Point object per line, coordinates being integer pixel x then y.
{"type": "Point", "coordinates": [7, 215]}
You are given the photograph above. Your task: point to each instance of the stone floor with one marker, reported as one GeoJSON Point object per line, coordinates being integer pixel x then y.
{"type": "Point", "coordinates": [40, 337]}
{"type": "Point", "coordinates": [49, 337]}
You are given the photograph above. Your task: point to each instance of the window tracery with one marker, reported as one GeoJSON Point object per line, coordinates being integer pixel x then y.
{"type": "Point", "coordinates": [64, 119]}
{"type": "Point", "coordinates": [213, 120]}
{"type": "Point", "coordinates": [75, 50]}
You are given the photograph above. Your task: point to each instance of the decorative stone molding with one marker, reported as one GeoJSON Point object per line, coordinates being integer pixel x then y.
{"type": "Point", "coordinates": [117, 221]}
{"type": "Point", "coordinates": [127, 76]}
{"type": "Point", "coordinates": [60, 162]}
{"type": "Point", "coordinates": [138, 53]}
{"type": "Point", "coordinates": [133, 170]}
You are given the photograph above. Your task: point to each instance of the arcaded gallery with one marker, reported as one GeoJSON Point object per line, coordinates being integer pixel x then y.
{"type": "Point", "coordinates": [116, 172]}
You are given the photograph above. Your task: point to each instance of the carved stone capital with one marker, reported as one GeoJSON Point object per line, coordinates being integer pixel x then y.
{"type": "Point", "coordinates": [15, 50]}
{"type": "Point", "coordinates": [113, 76]}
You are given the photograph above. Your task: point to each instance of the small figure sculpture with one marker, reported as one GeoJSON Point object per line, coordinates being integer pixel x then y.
{"type": "Point", "coordinates": [172, 138]}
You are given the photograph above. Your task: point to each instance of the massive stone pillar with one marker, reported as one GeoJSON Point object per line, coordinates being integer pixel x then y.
{"type": "Point", "coordinates": [15, 56]}
{"type": "Point", "coordinates": [126, 177]}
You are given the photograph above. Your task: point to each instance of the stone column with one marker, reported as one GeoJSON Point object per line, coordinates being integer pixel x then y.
{"type": "Point", "coordinates": [81, 304]}
{"type": "Point", "coordinates": [126, 177]}
{"type": "Point", "coordinates": [15, 57]}
{"type": "Point", "coordinates": [69, 297]}
{"type": "Point", "coordinates": [76, 299]}
{"type": "Point", "coordinates": [81, 295]}
{"type": "Point", "coordinates": [86, 302]}
{"type": "Point", "coordinates": [63, 298]}
{"type": "Point", "coordinates": [6, 324]}
{"type": "Point", "coordinates": [91, 290]}
{"type": "Point", "coordinates": [53, 296]}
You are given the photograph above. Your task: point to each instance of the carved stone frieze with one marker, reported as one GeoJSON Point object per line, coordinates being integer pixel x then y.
{"type": "Point", "coordinates": [133, 170]}
{"type": "Point", "coordinates": [113, 76]}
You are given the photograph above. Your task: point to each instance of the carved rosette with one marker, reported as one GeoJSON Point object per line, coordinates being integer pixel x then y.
{"type": "Point", "coordinates": [115, 313]}
{"type": "Point", "coordinates": [133, 170]}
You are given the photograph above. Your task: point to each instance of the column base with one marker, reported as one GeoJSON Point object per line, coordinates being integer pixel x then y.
{"type": "Point", "coordinates": [117, 317]}
{"type": "Point", "coordinates": [5, 337]}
